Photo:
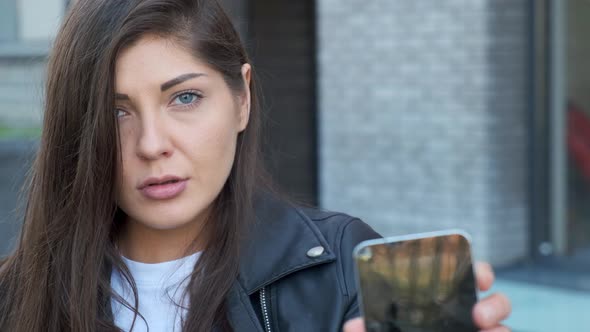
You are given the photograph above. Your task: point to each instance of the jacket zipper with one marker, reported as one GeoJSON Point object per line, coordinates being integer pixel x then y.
{"type": "Point", "coordinates": [264, 306]}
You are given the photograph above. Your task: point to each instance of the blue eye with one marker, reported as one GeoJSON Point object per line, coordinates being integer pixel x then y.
{"type": "Point", "coordinates": [120, 113]}
{"type": "Point", "coordinates": [185, 98]}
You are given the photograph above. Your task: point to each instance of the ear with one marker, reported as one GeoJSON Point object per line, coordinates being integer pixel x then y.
{"type": "Point", "coordinates": [245, 99]}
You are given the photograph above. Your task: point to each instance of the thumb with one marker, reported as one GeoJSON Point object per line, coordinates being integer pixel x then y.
{"type": "Point", "coordinates": [354, 325]}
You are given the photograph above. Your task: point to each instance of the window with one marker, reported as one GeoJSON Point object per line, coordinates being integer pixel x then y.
{"type": "Point", "coordinates": [28, 26]}
{"type": "Point", "coordinates": [39, 20]}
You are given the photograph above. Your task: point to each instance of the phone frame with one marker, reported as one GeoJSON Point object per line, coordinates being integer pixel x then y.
{"type": "Point", "coordinates": [408, 237]}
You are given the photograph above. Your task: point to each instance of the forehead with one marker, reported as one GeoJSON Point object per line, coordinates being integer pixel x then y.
{"type": "Point", "coordinates": [154, 58]}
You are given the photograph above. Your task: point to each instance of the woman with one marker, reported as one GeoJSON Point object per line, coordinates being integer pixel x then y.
{"type": "Point", "coordinates": [147, 204]}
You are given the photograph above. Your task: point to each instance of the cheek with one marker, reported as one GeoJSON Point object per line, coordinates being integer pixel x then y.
{"type": "Point", "coordinates": [211, 150]}
{"type": "Point", "coordinates": [215, 145]}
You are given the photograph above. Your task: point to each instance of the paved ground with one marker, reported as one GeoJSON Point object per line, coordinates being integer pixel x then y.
{"type": "Point", "coordinates": [550, 295]}
{"type": "Point", "coordinates": [538, 308]}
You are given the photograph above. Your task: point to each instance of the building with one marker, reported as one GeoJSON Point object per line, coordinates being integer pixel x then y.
{"type": "Point", "coordinates": [413, 115]}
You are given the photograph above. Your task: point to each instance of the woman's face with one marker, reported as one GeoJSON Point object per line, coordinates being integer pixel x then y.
{"type": "Point", "coordinates": [178, 124]}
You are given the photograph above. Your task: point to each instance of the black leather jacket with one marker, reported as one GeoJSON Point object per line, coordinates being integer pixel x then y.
{"type": "Point", "coordinates": [283, 286]}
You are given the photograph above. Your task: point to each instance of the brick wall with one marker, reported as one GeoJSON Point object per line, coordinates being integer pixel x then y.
{"type": "Point", "coordinates": [422, 121]}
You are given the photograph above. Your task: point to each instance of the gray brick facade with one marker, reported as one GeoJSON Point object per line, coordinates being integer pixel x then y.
{"type": "Point", "coordinates": [422, 117]}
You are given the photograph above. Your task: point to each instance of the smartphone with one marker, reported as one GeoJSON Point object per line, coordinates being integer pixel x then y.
{"type": "Point", "coordinates": [417, 283]}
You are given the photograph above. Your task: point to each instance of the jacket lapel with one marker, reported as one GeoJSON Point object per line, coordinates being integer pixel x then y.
{"type": "Point", "coordinates": [240, 310]}
{"type": "Point", "coordinates": [278, 244]}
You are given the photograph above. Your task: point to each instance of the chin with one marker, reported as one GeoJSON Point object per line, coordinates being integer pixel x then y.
{"type": "Point", "coordinates": [171, 214]}
{"type": "Point", "coordinates": [168, 221]}
{"type": "Point", "coordinates": [168, 226]}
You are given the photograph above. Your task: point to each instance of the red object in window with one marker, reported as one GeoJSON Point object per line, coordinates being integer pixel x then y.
{"type": "Point", "coordinates": [578, 138]}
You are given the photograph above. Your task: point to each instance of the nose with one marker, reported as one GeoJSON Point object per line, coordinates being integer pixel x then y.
{"type": "Point", "coordinates": [153, 141]}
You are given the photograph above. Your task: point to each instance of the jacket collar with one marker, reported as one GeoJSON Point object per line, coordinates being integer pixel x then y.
{"type": "Point", "coordinates": [277, 245]}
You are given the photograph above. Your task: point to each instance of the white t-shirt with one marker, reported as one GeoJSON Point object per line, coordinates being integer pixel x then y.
{"type": "Point", "coordinates": [159, 287]}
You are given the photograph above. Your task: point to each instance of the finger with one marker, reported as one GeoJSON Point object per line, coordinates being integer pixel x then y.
{"type": "Point", "coordinates": [489, 312]}
{"type": "Point", "coordinates": [500, 328]}
{"type": "Point", "coordinates": [354, 325]}
{"type": "Point", "coordinates": [484, 275]}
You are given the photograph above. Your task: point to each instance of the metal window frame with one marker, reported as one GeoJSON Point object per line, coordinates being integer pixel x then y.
{"type": "Point", "coordinates": [557, 114]}
{"type": "Point", "coordinates": [548, 155]}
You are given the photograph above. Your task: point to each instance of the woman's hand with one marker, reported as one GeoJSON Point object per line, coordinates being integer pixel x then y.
{"type": "Point", "coordinates": [487, 313]}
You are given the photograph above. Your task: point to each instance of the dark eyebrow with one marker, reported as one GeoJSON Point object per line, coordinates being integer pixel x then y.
{"type": "Point", "coordinates": [184, 77]}
{"type": "Point", "coordinates": [121, 96]}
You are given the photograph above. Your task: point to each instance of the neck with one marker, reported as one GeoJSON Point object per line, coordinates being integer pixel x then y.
{"type": "Point", "coordinates": [148, 245]}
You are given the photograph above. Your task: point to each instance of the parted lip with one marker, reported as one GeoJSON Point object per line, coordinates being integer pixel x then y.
{"type": "Point", "coordinates": [159, 180]}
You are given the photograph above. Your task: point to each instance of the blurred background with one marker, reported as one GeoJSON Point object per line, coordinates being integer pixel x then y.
{"type": "Point", "coordinates": [415, 115]}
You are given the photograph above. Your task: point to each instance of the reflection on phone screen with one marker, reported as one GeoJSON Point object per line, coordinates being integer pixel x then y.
{"type": "Point", "coordinates": [417, 285]}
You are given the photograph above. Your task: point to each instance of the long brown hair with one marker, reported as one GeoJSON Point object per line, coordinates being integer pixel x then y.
{"type": "Point", "coordinates": [58, 277]}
